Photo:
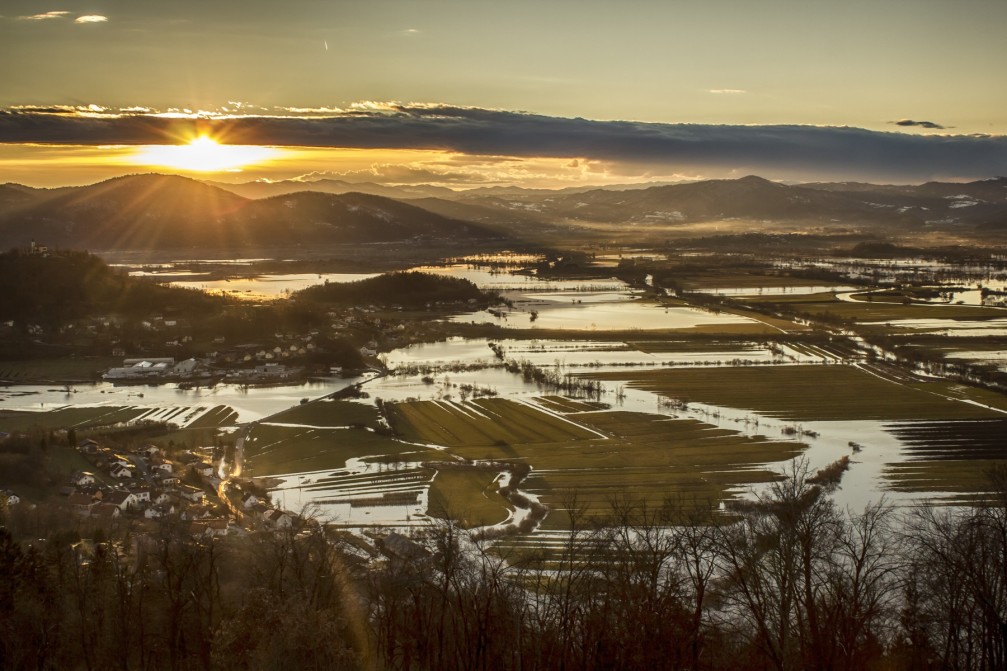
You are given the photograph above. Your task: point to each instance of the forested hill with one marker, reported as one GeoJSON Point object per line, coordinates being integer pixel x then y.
{"type": "Point", "coordinates": [49, 290]}
{"type": "Point", "coordinates": [406, 289]}
{"type": "Point", "coordinates": [155, 212]}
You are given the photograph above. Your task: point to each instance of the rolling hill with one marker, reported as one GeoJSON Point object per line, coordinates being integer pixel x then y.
{"type": "Point", "coordinates": [167, 212]}
{"type": "Point", "coordinates": [753, 198]}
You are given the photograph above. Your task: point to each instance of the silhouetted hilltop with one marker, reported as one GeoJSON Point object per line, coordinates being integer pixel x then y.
{"type": "Point", "coordinates": [49, 290]}
{"type": "Point", "coordinates": [165, 212]}
{"type": "Point", "coordinates": [406, 289]}
{"type": "Point", "coordinates": [260, 189]}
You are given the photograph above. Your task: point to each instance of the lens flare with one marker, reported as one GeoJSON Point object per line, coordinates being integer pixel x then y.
{"type": "Point", "coordinates": [203, 154]}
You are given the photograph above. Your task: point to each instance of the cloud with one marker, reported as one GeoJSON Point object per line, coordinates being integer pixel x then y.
{"type": "Point", "coordinates": [774, 151]}
{"type": "Point", "coordinates": [921, 124]}
{"type": "Point", "coordinates": [727, 91]}
{"type": "Point", "coordinates": [91, 18]}
{"type": "Point", "coordinates": [44, 16]}
{"type": "Point", "coordinates": [391, 173]}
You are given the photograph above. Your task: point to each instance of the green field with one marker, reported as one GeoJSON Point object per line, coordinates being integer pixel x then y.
{"type": "Point", "coordinates": [217, 416]}
{"type": "Point", "coordinates": [69, 417]}
{"type": "Point", "coordinates": [328, 412]}
{"type": "Point", "coordinates": [820, 305]}
{"type": "Point", "coordinates": [606, 454]}
{"type": "Point", "coordinates": [809, 393]}
{"type": "Point", "coordinates": [943, 476]}
{"type": "Point", "coordinates": [729, 280]}
{"type": "Point", "coordinates": [481, 422]}
{"type": "Point", "coordinates": [275, 450]}
{"type": "Point", "coordinates": [467, 496]}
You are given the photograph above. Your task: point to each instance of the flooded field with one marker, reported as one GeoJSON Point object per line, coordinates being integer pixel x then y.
{"type": "Point", "coordinates": [964, 328]}
{"type": "Point", "coordinates": [625, 395]}
{"type": "Point", "coordinates": [267, 287]}
{"type": "Point", "coordinates": [795, 290]}
{"type": "Point", "coordinates": [156, 401]}
{"type": "Point", "coordinates": [705, 433]}
{"type": "Point", "coordinates": [463, 352]}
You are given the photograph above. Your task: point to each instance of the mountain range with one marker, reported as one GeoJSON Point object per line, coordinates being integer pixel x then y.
{"type": "Point", "coordinates": [165, 211]}
{"type": "Point", "coordinates": [982, 203]}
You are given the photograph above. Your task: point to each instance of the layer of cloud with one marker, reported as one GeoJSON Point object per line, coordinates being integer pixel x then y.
{"type": "Point", "coordinates": [61, 14]}
{"type": "Point", "coordinates": [920, 124]}
{"type": "Point", "coordinates": [780, 151]}
{"type": "Point", "coordinates": [45, 16]}
{"type": "Point", "coordinates": [727, 91]}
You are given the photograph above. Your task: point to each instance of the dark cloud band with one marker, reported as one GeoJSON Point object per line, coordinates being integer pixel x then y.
{"type": "Point", "coordinates": [781, 151]}
{"type": "Point", "coordinates": [920, 124]}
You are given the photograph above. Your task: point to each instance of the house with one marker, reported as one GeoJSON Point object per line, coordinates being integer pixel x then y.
{"type": "Point", "coordinates": [194, 494]}
{"type": "Point", "coordinates": [94, 491]}
{"type": "Point", "coordinates": [120, 471]}
{"type": "Point", "coordinates": [10, 497]}
{"type": "Point", "coordinates": [249, 500]}
{"type": "Point", "coordinates": [216, 527]}
{"type": "Point", "coordinates": [139, 369]}
{"type": "Point", "coordinates": [165, 479]}
{"type": "Point", "coordinates": [162, 465]}
{"type": "Point", "coordinates": [279, 519]}
{"type": "Point", "coordinates": [121, 460]}
{"type": "Point", "coordinates": [159, 510]}
{"type": "Point", "coordinates": [162, 498]}
{"type": "Point", "coordinates": [142, 494]}
{"type": "Point", "coordinates": [88, 446]}
{"type": "Point", "coordinates": [122, 500]}
{"type": "Point", "coordinates": [188, 458]}
{"type": "Point", "coordinates": [198, 512]}
{"type": "Point", "coordinates": [150, 450]}
{"type": "Point", "coordinates": [187, 367]}
{"type": "Point", "coordinates": [82, 478]}
{"type": "Point", "coordinates": [204, 469]}
{"type": "Point", "coordinates": [81, 503]}
{"type": "Point", "coordinates": [105, 511]}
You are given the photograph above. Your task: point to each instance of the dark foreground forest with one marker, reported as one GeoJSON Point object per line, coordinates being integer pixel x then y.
{"type": "Point", "coordinates": [790, 582]}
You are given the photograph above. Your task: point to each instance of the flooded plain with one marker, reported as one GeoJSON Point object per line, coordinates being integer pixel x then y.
{"type": "Point", "coordinates": [251, 403]}
{"type": "Point", "coordinates": [394, 487]}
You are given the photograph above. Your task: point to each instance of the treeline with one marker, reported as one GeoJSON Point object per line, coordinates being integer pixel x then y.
{"type": "Point", "coordinates": [790, 582]}
{"type": "Point", "coordinates": [407, 289]}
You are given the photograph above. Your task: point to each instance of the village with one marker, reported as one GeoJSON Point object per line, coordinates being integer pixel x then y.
{"type": "Point", "coordinates": [148, 490]}
{"type": "Point", "coordinates": [147, 484]}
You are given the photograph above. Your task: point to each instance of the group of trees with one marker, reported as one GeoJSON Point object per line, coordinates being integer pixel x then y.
{"type": "Point", "coordinates": [407, 289]}
{"type": "Point", "coordinates": [52, 290]}
{"type": "Point", "coordinates": [790, 582]}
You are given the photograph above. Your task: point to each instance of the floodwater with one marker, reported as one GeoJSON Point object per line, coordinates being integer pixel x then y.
{"type": "Point", "coordinates": [775, 291]}
{"type": "Point", "coordinates": [346, 494]}
{"type": "Point", "coordinates": [495, 279]}
{"type": "Point", "coordinates": [601, 314]}
{"type": "Point", "coordinates": [580, 353]}
{"type": "Point", "coordinates": [265, 287]}
{"type": "Point", "coordinates": [251, 403]}
{"type": "Point", "coordinates": [951, 327]}
{"type": "Point", "coordinates": [864, 482]}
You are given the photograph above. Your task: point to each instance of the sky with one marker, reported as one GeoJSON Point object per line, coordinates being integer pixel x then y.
{"type": "Point", "coordinates": [544, 93]}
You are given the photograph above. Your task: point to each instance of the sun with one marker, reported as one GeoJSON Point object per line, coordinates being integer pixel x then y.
{"type": "Point", "coordinates": [203, 154]}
